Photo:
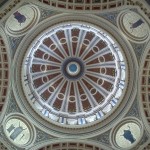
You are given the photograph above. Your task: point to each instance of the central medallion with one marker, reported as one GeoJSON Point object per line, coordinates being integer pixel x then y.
{"type": "Point", "coordinates": [73, 68]}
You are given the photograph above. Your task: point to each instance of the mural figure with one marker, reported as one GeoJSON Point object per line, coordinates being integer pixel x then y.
{"type": "Point", "coordinates": [128, 136]}
{"type": "Point", "coordinates": [136, 24]}
{"type": "Point", "coordinates": [20, 18]}
{"type": "Point", "coordinates": [11, 128]}
{"type": "Point", "coordinates": [17, 131]}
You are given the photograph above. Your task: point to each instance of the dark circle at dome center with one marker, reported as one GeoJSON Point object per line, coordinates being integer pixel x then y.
{"type": "Point", "coordinates": [73, 68]}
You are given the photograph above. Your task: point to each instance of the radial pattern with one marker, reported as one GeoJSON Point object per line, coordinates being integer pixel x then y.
{"type": "Point", "coordinates": [74, 73]}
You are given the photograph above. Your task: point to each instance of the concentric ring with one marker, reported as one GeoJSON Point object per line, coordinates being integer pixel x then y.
{"type": "Point", "coordinates": [73, 68]}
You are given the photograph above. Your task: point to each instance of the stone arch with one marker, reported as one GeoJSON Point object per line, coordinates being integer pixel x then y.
{"type": "Point", "coordinates": [144, 87]}
{"type": "Point", "coordinates": [4, 72]}
{"type": "Point", "coordinates": [73, 144]}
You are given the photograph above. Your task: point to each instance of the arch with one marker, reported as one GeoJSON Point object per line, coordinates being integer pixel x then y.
{"type": "Point", "coordinates": [84, 5]}
{"type": "Point", "coordinates": [144, 87]}
{"type": "Point", "coordinates": [4, 72]}
{"type": "Point", "coordinates": [67, 144]}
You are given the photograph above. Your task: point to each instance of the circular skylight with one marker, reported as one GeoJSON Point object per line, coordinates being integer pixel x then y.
{"type": "Point", "coordinates": [74, 74]}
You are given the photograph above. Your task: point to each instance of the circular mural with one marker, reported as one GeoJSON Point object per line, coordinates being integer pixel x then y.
{"type": "Point", "coordinates": [18, 130]}
{"type": "Point", "coordinates": [127, 134]}
{"type": "Point", "coordinates": [134, 26]}
{"type": "Point", "coordinates": [74, 74]}
{"type": "Point", "coordinates": [22, 20]}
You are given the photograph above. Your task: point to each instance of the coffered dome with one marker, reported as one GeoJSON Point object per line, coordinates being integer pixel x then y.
{"type": "Point", "coordinates": [75, 73]}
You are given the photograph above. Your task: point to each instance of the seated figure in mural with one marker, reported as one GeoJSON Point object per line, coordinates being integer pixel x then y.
{"type": "Point", "coordinates": [136, 24]}
{"type": "Point", "coordinates": [129, 136]}
{"type": "Point", "coordinates": [21, 18]}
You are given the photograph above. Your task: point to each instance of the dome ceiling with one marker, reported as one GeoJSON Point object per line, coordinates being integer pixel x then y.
{"type": "Point", "coordinates": [76, 73]}
{"type": "Point", "coordinates": [74, 81]}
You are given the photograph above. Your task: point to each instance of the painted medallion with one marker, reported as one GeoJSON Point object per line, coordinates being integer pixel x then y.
{"type": "Point", "coordinates": [17, 131]}
{"type": "Point", "coordinates": [134, 26]}
{"type": "Point", "coordinates": [22, 20]}
{"type": "Point", "coordinates": [127, 134]}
